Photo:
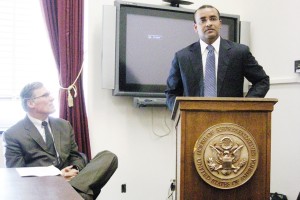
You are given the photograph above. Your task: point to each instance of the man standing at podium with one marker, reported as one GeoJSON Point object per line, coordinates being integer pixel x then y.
{"type": "Point", "coordinates": [213, 66]}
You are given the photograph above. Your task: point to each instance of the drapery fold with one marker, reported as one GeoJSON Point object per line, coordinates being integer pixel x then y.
{"type": "Point", "coordinates": [64, 20]}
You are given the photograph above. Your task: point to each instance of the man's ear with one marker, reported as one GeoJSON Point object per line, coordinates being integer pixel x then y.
{"type": "Point", "coordinates": [195, 28]}
{"type": "Point", "coordinates": [30, 103]}
{"type": "Point", "coordinates": [220, 23]}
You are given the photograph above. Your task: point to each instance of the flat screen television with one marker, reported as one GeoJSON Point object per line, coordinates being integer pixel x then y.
{"type": "Point", "coordinates": [147, 38]}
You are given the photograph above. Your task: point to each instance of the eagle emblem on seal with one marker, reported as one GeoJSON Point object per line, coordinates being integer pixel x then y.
{"type": "Point", "coordinates": [226, 157]}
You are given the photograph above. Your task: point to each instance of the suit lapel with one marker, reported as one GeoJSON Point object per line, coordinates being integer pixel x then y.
{"type": "Point", "coordinates": [196, 58]}
{"type": "Point", "coordinates": [34, 133]}
{"type": "Point", "coordinates": [222, 63]}
{"type": "Point", "coordinates": [56, 135]}
{"type": "Point", "coordinates": [196, 64]}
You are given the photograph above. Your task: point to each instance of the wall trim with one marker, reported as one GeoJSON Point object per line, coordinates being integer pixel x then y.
{"type": "Point", "coordinates": [284, 80]}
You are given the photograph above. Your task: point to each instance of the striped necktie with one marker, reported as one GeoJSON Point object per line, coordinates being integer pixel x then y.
{"type": "Point", "coordinates": [210, 89]}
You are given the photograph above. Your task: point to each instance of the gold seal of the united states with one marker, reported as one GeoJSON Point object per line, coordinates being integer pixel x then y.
{"type": "Point", "coordinates": [226, 155]}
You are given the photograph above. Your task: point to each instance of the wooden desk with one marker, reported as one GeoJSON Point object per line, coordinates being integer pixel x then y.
{"type": "Point", "coordinates": [13, 186]}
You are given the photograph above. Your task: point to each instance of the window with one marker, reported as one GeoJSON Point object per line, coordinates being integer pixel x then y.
{"type": "Point", "coordinates": [25, 56]}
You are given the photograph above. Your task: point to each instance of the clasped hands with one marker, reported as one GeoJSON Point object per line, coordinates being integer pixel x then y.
{"type": "Point", "coordinates": [69, 172]}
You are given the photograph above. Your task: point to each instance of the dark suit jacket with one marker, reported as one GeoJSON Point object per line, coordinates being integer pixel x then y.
{"type": "Point", "coordinates": [25, 147]}
{"type": "Point", "coordinates": [235, 63]}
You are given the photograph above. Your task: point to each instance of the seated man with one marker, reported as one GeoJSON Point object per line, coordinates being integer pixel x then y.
{"type": "Point", "coordinates": [40, 140]}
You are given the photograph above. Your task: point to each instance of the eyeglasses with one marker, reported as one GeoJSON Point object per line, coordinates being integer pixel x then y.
{"type": "Point", "coordinates": [46, 95]}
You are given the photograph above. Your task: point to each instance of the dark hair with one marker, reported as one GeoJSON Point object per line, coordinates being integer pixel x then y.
{"type": "Point", "coordinates": [27, 93]}
{"type": "Point", "coordinates": [205, 6]}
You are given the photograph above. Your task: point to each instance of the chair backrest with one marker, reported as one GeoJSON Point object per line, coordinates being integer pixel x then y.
{"type": "Point", "coordinates": [84, 157]}
{"type": "Point", "coordinates": [276, 196]}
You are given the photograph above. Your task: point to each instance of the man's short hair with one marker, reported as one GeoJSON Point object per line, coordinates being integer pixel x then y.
{"type": "Point", "coordinates": [205, 6]}
{"type": "Point", "coordinates": [26, 93]}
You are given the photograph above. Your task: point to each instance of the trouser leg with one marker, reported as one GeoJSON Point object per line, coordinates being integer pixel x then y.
{"type": "Point", "coordinates": [96, 173]}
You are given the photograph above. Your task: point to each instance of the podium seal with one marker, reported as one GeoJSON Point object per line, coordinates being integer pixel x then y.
{"type": "Point", "coordinates": [226, 156]}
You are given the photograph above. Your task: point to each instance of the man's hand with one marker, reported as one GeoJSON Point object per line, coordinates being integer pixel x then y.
{"type": "Point", "coordinates": [69, 172]}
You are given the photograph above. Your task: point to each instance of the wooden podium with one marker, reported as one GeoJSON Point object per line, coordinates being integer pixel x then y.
{"type": "Point", "coordinates": [193, 116]}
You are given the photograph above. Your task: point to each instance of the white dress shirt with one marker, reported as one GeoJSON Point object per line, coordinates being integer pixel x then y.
{"type": "Point", "coordinates": [204, 53]}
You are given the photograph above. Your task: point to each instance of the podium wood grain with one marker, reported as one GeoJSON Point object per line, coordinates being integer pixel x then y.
{"type": "Point", "coordinates": [193, 115]}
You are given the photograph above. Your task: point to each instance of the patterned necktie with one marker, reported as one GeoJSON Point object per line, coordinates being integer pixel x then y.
{"type": "Point", "coordinates": [49, 139]}
{"type": "Point", "coordinates": [210, 89]}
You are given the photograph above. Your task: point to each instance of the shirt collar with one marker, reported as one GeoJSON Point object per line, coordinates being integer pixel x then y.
{"type": "Point", "coordinates": [37, 122]}
{"type": "Point", "coordinates": [216, 45]}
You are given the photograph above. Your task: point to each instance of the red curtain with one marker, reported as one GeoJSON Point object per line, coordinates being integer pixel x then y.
{"type": "Point", "coordinates": [64, 19]}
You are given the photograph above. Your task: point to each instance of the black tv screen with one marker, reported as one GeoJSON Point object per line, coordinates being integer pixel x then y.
{"type": "Point", "coordinates": [147, 38]}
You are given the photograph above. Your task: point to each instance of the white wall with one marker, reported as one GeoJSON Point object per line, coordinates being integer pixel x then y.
{"type": "Point", "coordinates": [1, 153]}
{"type": "Point", "coordinates": [146, 161]}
